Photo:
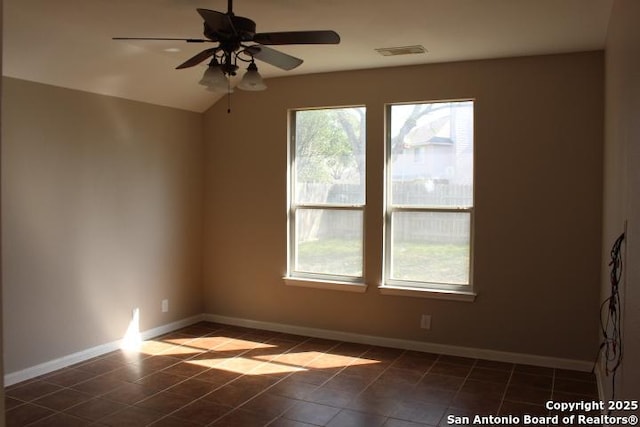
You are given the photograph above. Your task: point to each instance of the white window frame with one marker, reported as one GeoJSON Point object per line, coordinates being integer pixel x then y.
{"type": "Point", "coordinates": [308, 279]}
{"type": "Point", "coordinates": [390, 286]}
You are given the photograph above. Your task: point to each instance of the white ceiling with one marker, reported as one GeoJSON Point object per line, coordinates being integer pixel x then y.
{"type": "Point", "coordinates": [68, 42]}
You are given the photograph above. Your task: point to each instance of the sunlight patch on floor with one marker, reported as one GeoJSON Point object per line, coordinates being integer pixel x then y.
{"type": "Point", "coordinates": [248, 357]}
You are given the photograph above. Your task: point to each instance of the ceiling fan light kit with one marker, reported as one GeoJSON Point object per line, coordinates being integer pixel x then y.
{"type": "Point", "coordinates": [238, 41]}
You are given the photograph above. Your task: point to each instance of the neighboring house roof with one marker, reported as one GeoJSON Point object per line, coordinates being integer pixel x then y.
{"type": "Point", "coordinates": [427, 133]}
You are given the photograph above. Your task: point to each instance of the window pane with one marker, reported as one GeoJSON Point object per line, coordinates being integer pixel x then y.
{"type": "Point", "coordinates": [430, 247]}
{"type": "Point", "coordinates": [329, 241]}
{"type": "Point", "coordinates": [432, 154]}
{"type": "Point", "coordinates": [329, 156]}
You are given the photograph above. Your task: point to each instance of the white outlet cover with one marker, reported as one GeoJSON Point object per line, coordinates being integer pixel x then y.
{"type": "Point", "coordinates": [425, 321]}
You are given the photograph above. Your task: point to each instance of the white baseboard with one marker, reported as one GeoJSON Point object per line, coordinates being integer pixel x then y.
{"type": "Point", "coordinates": [451, 350]}
{"type": "Point", "coordinates": [501, 356]}
{"type": "Point", "coordinates": [170, 327]}
{"type": "Point", "coordinates": [81, 356]}
{"type": "Point", "coordinates": [599, 371]}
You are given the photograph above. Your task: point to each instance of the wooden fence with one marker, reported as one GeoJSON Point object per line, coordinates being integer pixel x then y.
{"type": "Point", "coordinates": [425, 227]}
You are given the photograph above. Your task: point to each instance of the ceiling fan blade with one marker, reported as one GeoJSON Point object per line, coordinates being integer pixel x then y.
{"type": "Point", "coordinates": [274, 57]}
{"type": "Point", "coordinates": [165, 39]}
{"type": "Point", "coordinates": [298, 37]}
{"type": "Point", "coordinates": [195, 60]}
{"type": "Point", "coordinates": [217, 22]}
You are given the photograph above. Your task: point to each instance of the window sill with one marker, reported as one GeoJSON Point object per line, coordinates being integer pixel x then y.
{"type": "Point", "coordinates": [427, 293]}
{"type": "Point", "coordinates": [325, 284]}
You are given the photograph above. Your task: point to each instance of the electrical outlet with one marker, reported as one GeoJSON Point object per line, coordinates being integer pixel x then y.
{"type": "Point", "coordinates": [165, 305]}
{"type": "Point", "coordinates": [425, 321]}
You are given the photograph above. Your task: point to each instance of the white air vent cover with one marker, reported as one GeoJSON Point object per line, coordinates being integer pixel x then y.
{"type": "Point", "coordinates": [401, 50]}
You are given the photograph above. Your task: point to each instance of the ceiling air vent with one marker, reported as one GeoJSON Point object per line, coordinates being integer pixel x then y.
{"type": "Point", "coordinates": [401, 50]}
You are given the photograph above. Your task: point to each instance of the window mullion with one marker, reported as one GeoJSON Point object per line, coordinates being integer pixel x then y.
{"type": "Point", "coordinates": [328, 206]}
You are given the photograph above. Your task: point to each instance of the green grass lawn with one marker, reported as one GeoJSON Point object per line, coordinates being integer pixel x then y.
{"type": "Point", "coordinates": [335, 256]}
{"type": "Point", "coordinates": [439, 263]}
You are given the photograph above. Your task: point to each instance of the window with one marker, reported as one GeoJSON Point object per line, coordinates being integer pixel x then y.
{"type": "Point", "coordinates": [327, 194]}
{"type": "Point", "coordinates": [429, 196]}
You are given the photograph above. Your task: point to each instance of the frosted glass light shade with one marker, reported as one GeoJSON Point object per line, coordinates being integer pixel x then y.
{"type": "Point", "coordinates": [214, 79]}
{"type": "Point", "coordinates": [252, 80]}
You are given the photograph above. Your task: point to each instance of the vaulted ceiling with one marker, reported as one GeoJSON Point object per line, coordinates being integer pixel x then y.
{"type": "Point", "coordinates": [69, 43]}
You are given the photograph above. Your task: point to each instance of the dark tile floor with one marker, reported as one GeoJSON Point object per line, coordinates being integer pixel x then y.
{"type": "Point", "coordinates": [216, 375]}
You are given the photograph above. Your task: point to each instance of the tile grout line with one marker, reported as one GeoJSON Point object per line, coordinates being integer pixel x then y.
{"type": "Point", "coordinates": [112, 362]}
{"type": "Point", "coordinates": [243, 375]}
{"type": "Point", "coordinates": [62, 388]}
{"type": "Point", "coordinates": [227, 383]}
{"type": "Point", "coordinates": [460, 387]}
{"type": "Point", "coordinates": [334, 375]}
{"type": "Point", "coordinates": [506, 389]}
{"type": "Point", "coordinates": [318, 386]}
{"type": "Point", "coordinates": [178, 361]}
{"type": "Point", "coordinates": [99, 375]}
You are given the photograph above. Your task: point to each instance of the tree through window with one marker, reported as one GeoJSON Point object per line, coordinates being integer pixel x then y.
{"type": "Point", "coordinates": [428, 193]}
{"type": "Point", "coordinates": [327, 193]}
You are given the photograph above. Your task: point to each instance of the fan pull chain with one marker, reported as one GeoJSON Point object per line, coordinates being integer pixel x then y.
{"type": "Point", "coordinates": [229, 96]}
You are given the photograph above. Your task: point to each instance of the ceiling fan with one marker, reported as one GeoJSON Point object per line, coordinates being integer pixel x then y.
{"type": "Point", "coordinates": [238, 41]}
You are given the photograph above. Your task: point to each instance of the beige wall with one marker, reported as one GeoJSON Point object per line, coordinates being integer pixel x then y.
{"type": "Point", "coordinates": [102, 213]}
{"type": "Point", "coordinates": [102, 210]}
{"type": "Point", "coordinates": [539, 129]}
{"type": "Point", "coordinates": [622, 181]}
{"type": "Point", "coordinates": [2, 418]}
